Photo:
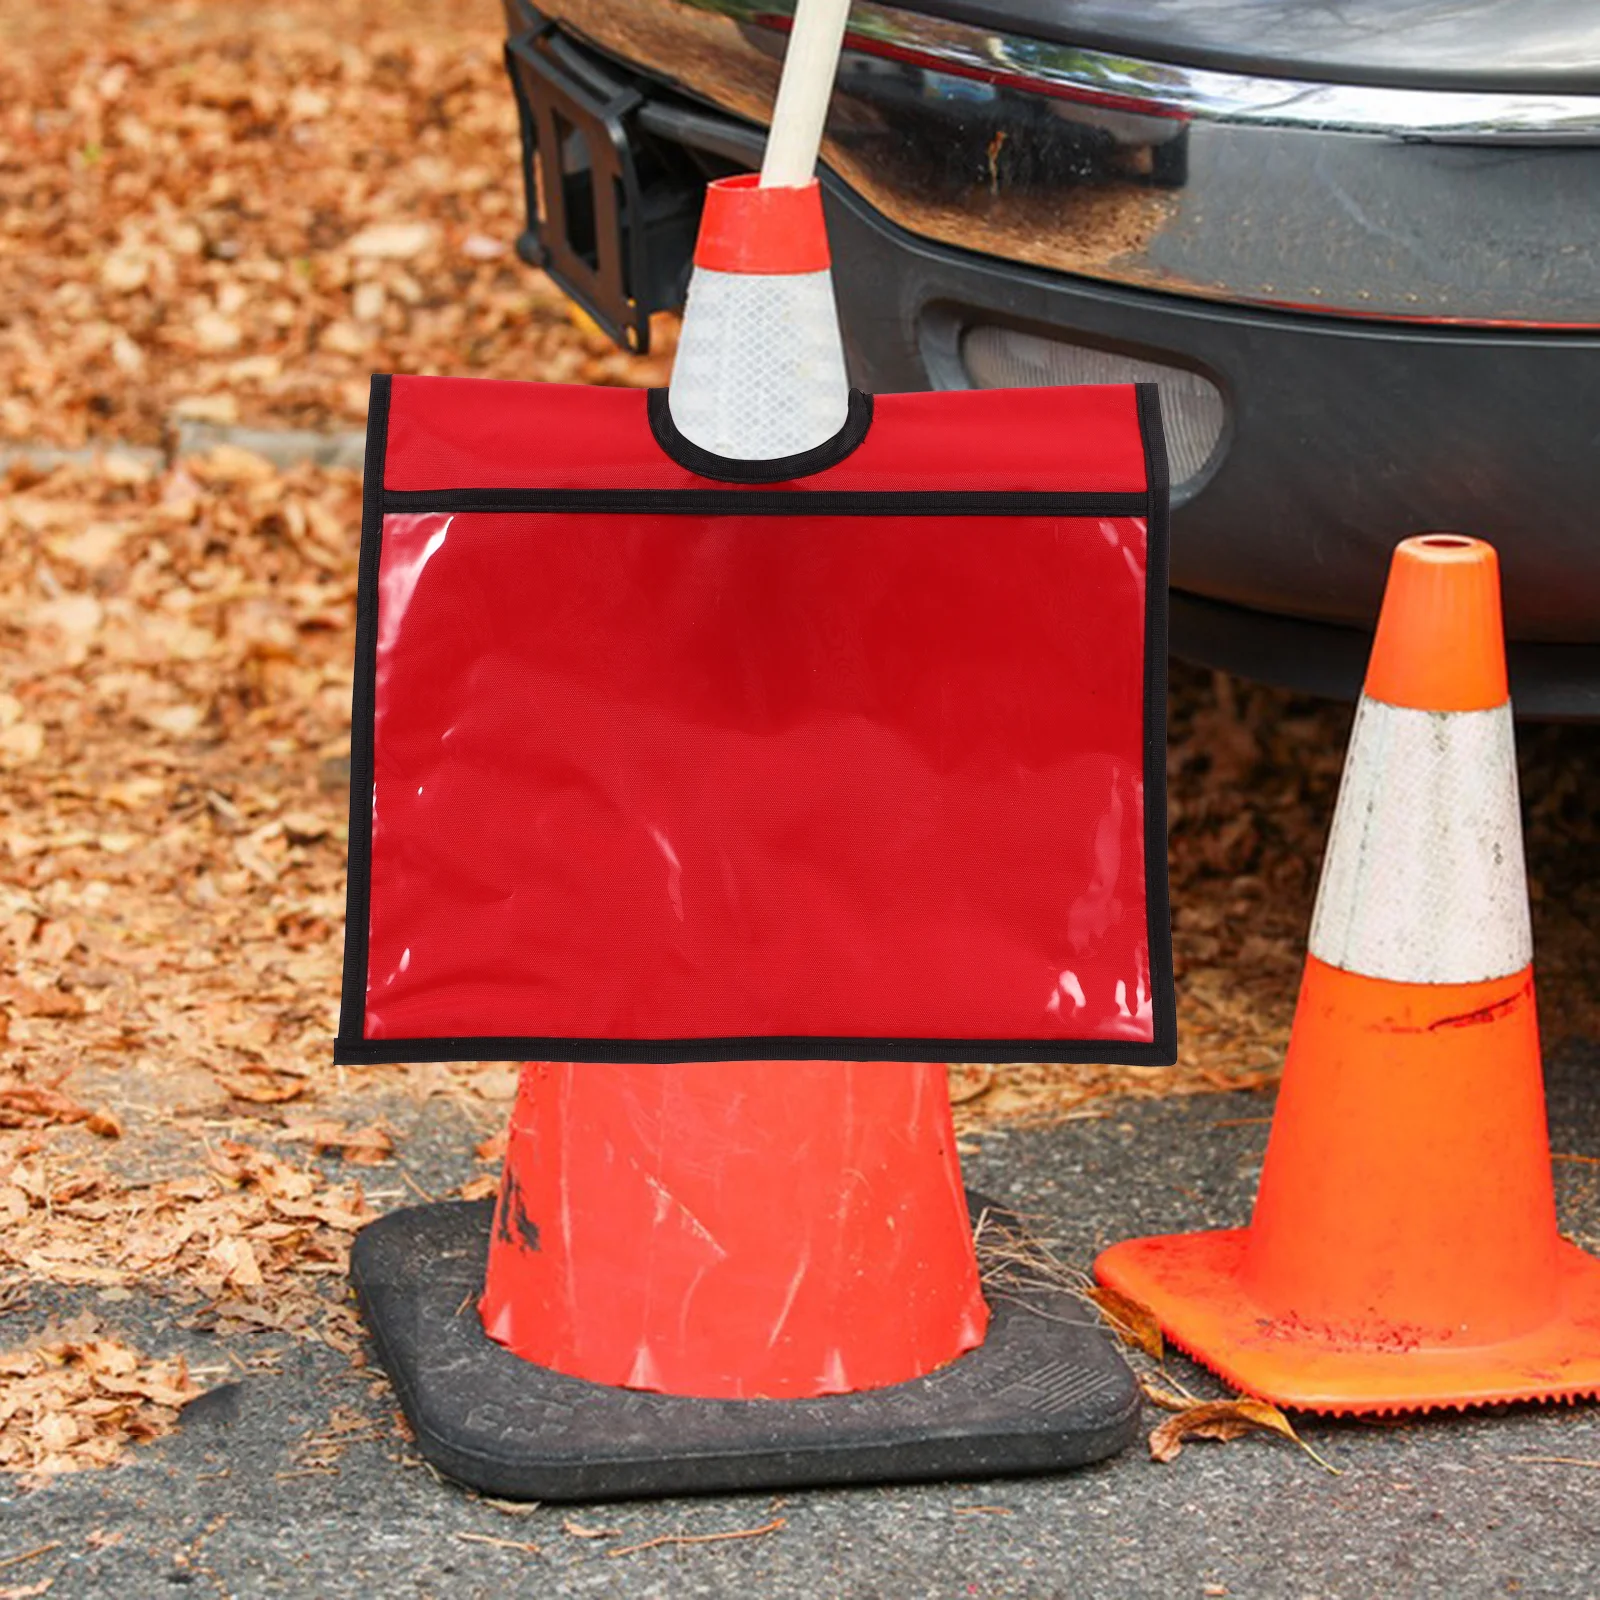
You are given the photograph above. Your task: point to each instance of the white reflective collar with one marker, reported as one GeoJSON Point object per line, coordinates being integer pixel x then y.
{"type": "Point", "coordinates": [1424, 880]}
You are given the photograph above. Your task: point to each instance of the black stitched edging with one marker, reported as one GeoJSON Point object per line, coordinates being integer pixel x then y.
{"type": "Point", "coordinates": [801, 1047]}
{"type": "Point", "coordinates": [776, 469]}
{"type": "Point", "coordinates": [358, 883]}
{"type": "Point", "coordinates": [1158, 907]}
{"type": "Point", "coordinates": [773, 502]}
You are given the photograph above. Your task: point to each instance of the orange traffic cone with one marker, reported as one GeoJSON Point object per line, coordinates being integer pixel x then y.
{"type": "Point", "coordinates": [1404, 1253]}
{"type": "Point", "coordinates": [760, 1228]}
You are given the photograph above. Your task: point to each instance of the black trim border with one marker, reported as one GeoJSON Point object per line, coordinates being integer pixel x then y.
{"type": "Point", "coordinates": [774, 502]}
{"type": "Point", "coordinates": [776, 469]}
{"type": "Point", "coordinates": [757, 1047]}
{"type": "Point", "coordinates": [352, 1049]}
{"type": "Point", "coordinates": [363, 704]}
{"type": "Point", "coordinates": [1158, 889]}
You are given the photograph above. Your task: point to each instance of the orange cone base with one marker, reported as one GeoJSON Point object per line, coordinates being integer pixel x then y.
{"type": "Point", "coordinates": [1190, 1282]}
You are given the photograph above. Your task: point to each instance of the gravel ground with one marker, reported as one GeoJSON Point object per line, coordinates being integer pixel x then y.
{"type": "Point", "coordinates": [244, 1500]}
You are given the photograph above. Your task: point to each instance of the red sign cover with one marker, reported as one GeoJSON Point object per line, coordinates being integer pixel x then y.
{"type": "Point", "coordinates": [857, 754]}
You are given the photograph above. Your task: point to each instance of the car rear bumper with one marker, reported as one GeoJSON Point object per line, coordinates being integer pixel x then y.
{"type": "Point", "coordinates": [1341, 439]}
{"type": "Point", "coordinates": [1341, 435]}
{"type": "Point", "coordinates": [1426, 204]}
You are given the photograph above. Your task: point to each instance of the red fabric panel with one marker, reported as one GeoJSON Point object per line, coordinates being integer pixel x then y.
{"type": "Point", "coordinates": [477, 433]}
{"type": "Point", "coordinates": [687, 777]}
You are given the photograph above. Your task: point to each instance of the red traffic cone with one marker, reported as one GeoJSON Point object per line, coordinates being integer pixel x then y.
{"type": "Point", "coordinates": [720, 1276]}
{"type": "Point", "coordinates": [730, 1275]}
{"type": "Point", "coordinates": [765, 1228]}
{"type": "Point", "coordinates": [736, 1229]}
{"type": "Point", "coordinates": [1403, 1252]}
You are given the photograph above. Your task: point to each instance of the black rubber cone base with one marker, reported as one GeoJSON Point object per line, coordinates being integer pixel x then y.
{"type": "Point", "coordinates": [1046, 1390]}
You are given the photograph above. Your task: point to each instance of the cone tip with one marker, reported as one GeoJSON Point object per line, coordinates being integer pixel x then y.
{"type": "Point", "coordinates": [1440, 644]}
{"type": "Point", "coordinates": [1447, 550]}
{"type": "Point", "coordinates": [746, 227]}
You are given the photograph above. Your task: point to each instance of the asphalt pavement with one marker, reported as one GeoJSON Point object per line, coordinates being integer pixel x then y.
{"type": "Point", "coordinates": [1505, 1502]}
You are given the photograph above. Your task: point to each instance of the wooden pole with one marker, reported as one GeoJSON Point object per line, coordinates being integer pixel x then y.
{"type": "Point", "coordinates": [803, 93]}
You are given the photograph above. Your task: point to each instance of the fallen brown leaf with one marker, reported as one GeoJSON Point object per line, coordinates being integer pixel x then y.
{"type": "Point", "coordinates": [1221, 1420]}
{"type": "Point", "coordinates": [1133, 1323]}
{"type": "Point", "coordinates": [493, 1148]}
{"type": "Point", "coordinates": [1218, 1419]}
{"type": "Point", "coordinates": [29, 1105]}
{"type": "Point", "coordinates": [1195, 1418]}
{"type": "Point", "coordinates": [40, 1002]}
{"type": "Point", "coordinates": [969, 1083]}
{"type": "Point", "coordinates": [361, 1147]}
{"type": "Point", "coordinates": [261, 1086]}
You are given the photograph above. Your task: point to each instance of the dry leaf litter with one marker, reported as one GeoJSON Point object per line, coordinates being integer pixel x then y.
{"type": "Point", "coordinates": [218, 214]}
{"type": "Point", "coordinates": [225, 215]}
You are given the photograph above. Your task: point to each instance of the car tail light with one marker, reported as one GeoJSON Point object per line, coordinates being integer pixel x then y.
{"type": "Point", "coordinates": [1192, 408]}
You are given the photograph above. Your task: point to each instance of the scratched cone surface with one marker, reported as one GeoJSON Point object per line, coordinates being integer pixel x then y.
{"type": "Point", "coordinates": [1404, 1251]}
{"type": "Point", "coordinates": [776, 1229]}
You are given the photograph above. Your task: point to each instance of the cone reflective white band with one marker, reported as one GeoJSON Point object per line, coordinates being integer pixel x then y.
{"type": "Point", "coordinates": [759, 371]}
{"type": "Point", "coordinates": [1424, 880]}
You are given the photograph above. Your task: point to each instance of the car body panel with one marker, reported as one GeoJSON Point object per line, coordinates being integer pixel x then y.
{"type": "Point", "coordinates": [1417, 206]}
{"type": "Point", "coordinates": [1425, 353]}
{"type": "Point", "coordinates": [1478, 44]}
